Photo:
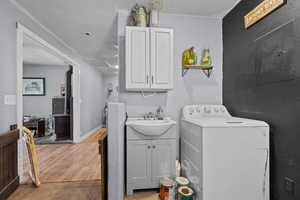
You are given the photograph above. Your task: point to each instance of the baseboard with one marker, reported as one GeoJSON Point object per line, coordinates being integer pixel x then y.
{"type": "Point", "coordinates": [86, 135]}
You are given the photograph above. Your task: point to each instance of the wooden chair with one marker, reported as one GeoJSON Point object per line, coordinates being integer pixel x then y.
{"type": "Point", "coordinates": [32, 156]}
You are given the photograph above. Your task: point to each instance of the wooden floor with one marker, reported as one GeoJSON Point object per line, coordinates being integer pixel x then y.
{"type": "Point", "coordinates": [71, 171]}
{"type": "Point", "coordinates": [70, 162]}
{"type": "Point", "coordinates": [84, 190]}
{"type": "Point", "coordinates": [144, 195]}
{"type": "Point", "coordinates": [88, 190]}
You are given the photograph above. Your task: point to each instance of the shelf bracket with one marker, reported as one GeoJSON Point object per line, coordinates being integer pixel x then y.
{"type": "Point", "coordinates": [184, 71]}
{"type": "Point", "coordinates": [207, 72]}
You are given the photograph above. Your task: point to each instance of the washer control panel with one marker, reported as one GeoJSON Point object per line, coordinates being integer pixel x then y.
{"type": "Point", "coordinates": [198, 111]}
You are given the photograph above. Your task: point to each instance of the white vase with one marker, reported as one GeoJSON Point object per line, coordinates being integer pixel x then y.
{"type": "Point", "coordinates": [154, 17]}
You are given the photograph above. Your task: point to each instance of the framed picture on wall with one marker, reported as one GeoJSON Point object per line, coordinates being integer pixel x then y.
{"type": "Point", "coordinates": [34, 86]}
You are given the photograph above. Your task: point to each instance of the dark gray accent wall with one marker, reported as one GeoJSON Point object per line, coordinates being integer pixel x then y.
{"type": "Point", "coordinates": [261, 80]}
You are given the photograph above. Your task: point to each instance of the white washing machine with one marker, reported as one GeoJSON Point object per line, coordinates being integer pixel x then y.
{"type": "Point", "coordinates": [225, 157]}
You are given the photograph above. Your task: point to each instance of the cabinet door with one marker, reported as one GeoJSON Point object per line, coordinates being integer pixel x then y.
{"type": "Point", "coordinates": [163, 160]}
{"type": "Point", "coordinates": [161, 58]}
{"type": "Point", "coordinates": [137, 58]}
{"type": "Point", "coordinates": [138, 164]}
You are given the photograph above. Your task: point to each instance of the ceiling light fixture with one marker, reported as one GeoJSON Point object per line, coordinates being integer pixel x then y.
{"type": "Point", "coordinates": [88, 34]}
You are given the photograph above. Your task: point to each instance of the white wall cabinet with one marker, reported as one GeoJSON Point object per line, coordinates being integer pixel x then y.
{"type": "Point", "coordinates": [149, 58]}
{"type": "Point", "coordinates": [149, 160]}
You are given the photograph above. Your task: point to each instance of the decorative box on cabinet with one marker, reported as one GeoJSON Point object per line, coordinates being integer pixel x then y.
{"type": "Point", "coordinates": [149, 58]}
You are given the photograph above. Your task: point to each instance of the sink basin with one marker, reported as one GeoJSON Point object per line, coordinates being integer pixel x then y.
{"type": "Point", "coordinates": [151, 127]}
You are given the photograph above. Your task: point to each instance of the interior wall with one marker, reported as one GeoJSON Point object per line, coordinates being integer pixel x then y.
{"type": "Point", "coordinates": [262, 81]}
{"type": "Point", "coordinates": [111, 81]}
{"type": "Point", "coordinates": [92, 99]}
{"type": "Point", "coordinates": [55, 76]}
{"type": "Point", "coordinates": [194, 87]}
{"type": "Point", "coordinates": [91, 78]}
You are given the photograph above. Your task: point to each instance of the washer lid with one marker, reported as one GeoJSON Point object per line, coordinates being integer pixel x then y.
{"type": "Point", "coordinates": [226, 122]}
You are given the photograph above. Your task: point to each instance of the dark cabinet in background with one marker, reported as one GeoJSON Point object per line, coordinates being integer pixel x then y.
{"type": "Point", "coordinates": [38, 125]}
{"type": "Point", "coordinates": [62, 127]}
{"type": "Point", "coordinates": [58, 105]}
{"type": "Point", "coordinates": [62, 110]}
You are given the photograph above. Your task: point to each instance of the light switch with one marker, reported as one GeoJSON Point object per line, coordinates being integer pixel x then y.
{"type": "Point", "coordinates": [10, 100]}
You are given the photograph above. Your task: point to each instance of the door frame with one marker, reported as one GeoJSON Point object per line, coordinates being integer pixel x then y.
{"type": "Point", "coordinates": [22, 31]}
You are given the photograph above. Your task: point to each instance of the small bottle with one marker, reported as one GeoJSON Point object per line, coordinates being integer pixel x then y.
{"type": "Point", "coordinates": [196, 60]}
{"type": "Point", "coordinates": [194, 56]}
{"type": "Point", "coordinates": [206, 59]}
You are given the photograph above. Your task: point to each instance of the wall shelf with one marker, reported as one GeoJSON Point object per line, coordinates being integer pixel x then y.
{"type": "Point", "coordinates": [206, 69]}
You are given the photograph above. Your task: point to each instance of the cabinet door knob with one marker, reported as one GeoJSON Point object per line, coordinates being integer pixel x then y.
{"type": "Point", "coordinates": [153, 146]}
{"type": "Point", "coordinates": [147, 79]}
{"type": "Point", "coordinates": [152, 79]}
{"type": "Point", "coordinates": [149, 147]}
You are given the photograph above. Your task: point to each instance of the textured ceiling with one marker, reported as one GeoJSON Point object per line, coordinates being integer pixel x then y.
{"type": "Point", "coordinates": [35, 53]}
{"type": "Point", "coordinates": [70, 19]}
{"type": "Point", "coordinates": [187, 7]}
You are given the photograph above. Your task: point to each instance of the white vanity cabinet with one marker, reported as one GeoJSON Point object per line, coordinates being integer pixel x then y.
{"type": "Point", "coordinates": [138, 164]}
{"type": "Point", "coordinates": [149, 159]}
{"type": "Point", "coordinates": [163, 160]}
{"type": "Point", "coordinates": [149, 58]}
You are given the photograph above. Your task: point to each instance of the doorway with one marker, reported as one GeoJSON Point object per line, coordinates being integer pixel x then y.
{"type": "Point", "coordinates": [47, 95]}
{"type": "Point", "coordinates": [64, 107]}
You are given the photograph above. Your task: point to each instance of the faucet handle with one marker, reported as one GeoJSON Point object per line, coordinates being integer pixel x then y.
{"type": "Point", "coordinates": [149, 115]}
{"type": "Point", "coordinates": [159, 110]}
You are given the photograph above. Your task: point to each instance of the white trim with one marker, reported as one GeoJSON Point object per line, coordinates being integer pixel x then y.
{"type": "Point", "coordinates": [20, 39]}
{"type": "Point", "coordinates": [21, 32]}
{"type": "Point", "coordinates": [90, 133]}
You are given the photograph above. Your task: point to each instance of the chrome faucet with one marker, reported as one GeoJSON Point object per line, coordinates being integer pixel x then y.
{"type": "Point", "coordinates": [149, 116]}
{"type": "Point", "coordinates": [159, 113]}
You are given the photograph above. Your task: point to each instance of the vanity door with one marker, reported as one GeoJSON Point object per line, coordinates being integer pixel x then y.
{"type": "Point", "coordinates": [163, 160]}
{"type": "Point", "coordinates": [138, 164]}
